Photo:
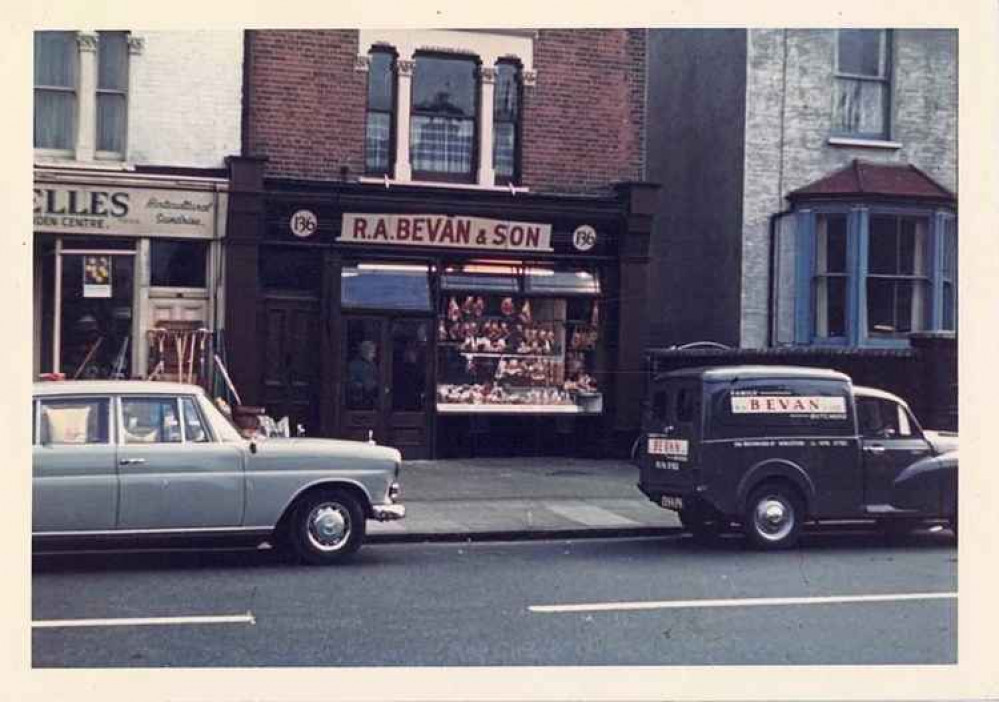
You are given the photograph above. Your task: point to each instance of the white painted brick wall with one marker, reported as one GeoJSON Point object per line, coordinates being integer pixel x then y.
{"type": "Point", "coordinates": [185, 98]}
{"type": "Point", "coordinates": [924, 121]}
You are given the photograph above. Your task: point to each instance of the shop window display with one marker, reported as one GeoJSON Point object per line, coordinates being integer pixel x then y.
{"type": "Point", "coordinates": [501, 352]}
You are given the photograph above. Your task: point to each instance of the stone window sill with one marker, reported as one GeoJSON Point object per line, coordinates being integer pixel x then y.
{"type": "Point", "coordinates": [389, 183]}
{"type": "Point", "coordinates": [865, 143]}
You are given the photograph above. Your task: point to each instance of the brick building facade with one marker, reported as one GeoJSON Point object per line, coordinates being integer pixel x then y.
{"type": "Point", "coordinates": [453, 216]}
{"type": "Point", "coordinates": [582, 120]}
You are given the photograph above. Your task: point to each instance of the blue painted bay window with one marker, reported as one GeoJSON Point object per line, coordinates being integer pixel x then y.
{"type": "Point", "coordinates": [871, 275]}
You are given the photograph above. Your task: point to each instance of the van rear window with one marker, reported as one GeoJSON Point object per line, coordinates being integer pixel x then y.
{"type": "Point", "coordinates": [768, 408]}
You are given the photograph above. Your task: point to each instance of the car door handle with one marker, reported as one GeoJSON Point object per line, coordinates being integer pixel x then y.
{"type": "Point", "coordinates": [874, 449]}
{"type": "Point", "coordinates": [132, 461]}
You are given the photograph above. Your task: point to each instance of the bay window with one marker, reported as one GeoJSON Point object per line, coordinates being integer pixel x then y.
{"type": "Point", "coordinates": [443, 118]}
{"type": "Point", "coordinates": [870, 276]}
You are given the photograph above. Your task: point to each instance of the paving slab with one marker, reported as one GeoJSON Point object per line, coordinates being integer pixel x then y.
{"type": "Point", "coordinates": [522, 498]}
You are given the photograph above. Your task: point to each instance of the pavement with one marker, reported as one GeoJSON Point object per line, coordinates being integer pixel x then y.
{"type": "Point", "coordinates": [522, 498]}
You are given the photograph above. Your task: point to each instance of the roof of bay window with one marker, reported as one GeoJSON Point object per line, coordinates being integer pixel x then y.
{"type": "Point", "coordinates": [863, 179]}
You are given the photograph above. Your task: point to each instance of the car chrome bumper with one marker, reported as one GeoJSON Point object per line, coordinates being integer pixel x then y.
{"type": "Point", "coordinates": [388, 513]}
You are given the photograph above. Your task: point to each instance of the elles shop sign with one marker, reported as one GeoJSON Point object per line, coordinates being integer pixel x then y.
{"type": "Point", "coordinates": [445, 231]}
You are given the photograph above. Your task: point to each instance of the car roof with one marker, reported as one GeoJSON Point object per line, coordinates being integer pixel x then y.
{"type": "Point", "coordinates": [729, 373]}
{"type": "Point", "coordinates": [113, 387]}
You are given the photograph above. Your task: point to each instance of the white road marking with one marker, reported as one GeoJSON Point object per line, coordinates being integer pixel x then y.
{"type": "Point", "coordinates": [750, 602]}
{"type": "Point", "coordinates": [247, 618]}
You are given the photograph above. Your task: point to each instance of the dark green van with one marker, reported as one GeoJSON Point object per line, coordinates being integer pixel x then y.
{"type": "Point", "coordinates": [771, 447]}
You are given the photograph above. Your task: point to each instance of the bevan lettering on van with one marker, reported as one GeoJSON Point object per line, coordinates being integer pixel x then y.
{"type": "Point", "coordinates": [789, 404]}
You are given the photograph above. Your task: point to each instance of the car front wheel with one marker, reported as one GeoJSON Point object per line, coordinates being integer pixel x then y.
{"type": "Point", "coordinates": [327, 527]}
{"type": "Point", "coordinates": [773, 517]}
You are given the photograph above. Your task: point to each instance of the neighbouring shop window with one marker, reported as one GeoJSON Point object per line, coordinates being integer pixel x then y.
{"type": "Point", "coordinates": [506, 122]}
{"type": "Point", "coordinates": [830, 276]}
{"type": "Point", "coordinates": [517, 352]}
{"type": "Point", "coordinates": [290, 270]}
{"type": "Point", "coordinates": [178, 264]}
{"type": "Point", "coordinates": [862, 98]}
{"type": "Point", "coordinates": [443, 119]}
{"type": "Point", "coordinates": [898, 284]}
{"type": "Point", "coordinates": [385, 286]}
{"type": "Point", "coordinates": [150, 421]}
{"type": "Point", "coordinates": [378, 144]}
{"type": "Point", "coordinates": [73, 421]}
{"type": "Point", "coordinates": [96, 315]}
{"type": "Point", "coordinates": [56, 77]}
{"type": "Point", "coordinates": [112, 91]}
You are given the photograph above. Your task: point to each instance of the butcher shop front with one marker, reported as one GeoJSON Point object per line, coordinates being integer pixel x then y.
{"type": "Point", "coordinates": [440, 322]}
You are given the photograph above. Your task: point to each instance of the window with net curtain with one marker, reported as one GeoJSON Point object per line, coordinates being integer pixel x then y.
{"type": "Point", "coordinates": [112, 91]}
{"type": "Point", "coordinates": [56, 77]}
{"type": "Point", "coordinates": [862, 97]}
{"type": "Point", "coordinates": [443, 117]}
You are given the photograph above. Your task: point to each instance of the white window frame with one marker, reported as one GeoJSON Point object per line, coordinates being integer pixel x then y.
{"type": "Point", "coordinates": [489, 47]}
{"type": "Point", "coordinates": [84, 148]}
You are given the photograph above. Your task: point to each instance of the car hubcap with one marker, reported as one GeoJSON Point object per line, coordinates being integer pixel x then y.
{"type": "Point", "coordinates": [328, 526]}
{"type": "Point", "coordinates": [774, 518]}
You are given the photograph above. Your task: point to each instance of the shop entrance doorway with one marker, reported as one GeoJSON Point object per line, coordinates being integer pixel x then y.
{"type": "Point", "coordinates": [291, 372]}
{"type": "Point", "coordinates": [386, 382]}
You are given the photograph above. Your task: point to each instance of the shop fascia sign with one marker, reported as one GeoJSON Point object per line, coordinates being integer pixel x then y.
{"type": "Point", "coordinates": [82, 209]}
{"type": "Point", "coordinates": [445, 231]}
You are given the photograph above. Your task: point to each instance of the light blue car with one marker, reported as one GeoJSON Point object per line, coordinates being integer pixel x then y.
{"type": "Point", "coordinates": [136, 459]}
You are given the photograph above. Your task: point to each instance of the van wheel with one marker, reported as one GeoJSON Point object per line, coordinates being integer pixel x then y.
{"type": "Point", "coordinates": [327, 527]}
{"type": "Point", "coordinates": [774, 515]}
{"type": "Point", "coordinates": [702, 521]}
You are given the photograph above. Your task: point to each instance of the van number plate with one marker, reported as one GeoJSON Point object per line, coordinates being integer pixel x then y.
{"type": "Point", "coordinates": [671, 502]}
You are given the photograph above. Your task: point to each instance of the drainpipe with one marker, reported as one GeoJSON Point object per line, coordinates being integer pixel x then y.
{"type": "Point", "coordinates": [772, 276]}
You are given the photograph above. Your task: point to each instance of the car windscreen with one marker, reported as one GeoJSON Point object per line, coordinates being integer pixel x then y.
{"type": "Point", "coordinates": [225, 430]}
{"type": "Point", "coordinates": [776, 407]}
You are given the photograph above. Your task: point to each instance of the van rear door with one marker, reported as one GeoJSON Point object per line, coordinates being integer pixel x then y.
{"type": "Point", "coordinates": [668, 454]}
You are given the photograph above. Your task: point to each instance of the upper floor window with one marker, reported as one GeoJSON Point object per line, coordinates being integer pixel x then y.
{"type": "Point", "coordinates": [379, 142]}
{"type": "Point", "coordinates": [443, 118]}
{"type": "Point", "coordinates": [81, 93]}
{"type": "Point", "coordinates": [506, 122]}
{"type": "Point", "coordinates": [112, 90]}
{"type": "Point", "coordinates": [862, 98]}
{"type": "Point", "coordinates": [56, 79]}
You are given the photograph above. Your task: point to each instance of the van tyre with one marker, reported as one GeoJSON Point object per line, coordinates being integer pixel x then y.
{"type": "Point", "coordinates": [327, 527]}
{"type": "Point", "coordinates": [774, 514]}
